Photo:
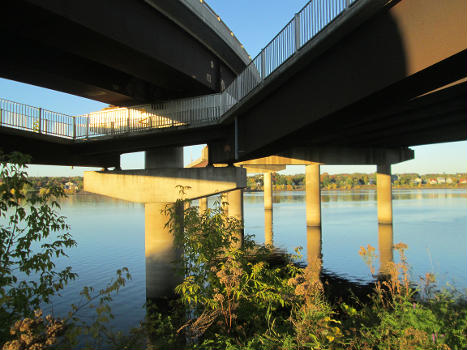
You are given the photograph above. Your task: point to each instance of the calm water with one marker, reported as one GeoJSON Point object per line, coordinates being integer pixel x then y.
{"type": "Point", "coordinates": [110, 235]}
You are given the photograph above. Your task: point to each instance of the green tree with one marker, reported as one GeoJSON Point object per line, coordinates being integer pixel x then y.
{"type": "Point", "coordinates": [32, 234]}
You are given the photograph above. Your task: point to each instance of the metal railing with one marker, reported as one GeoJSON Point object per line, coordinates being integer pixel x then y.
{"type": "Point", "coordinates": [40, 120]}
{"type": "Point", "coordinates": [305, 25]}
{"type": "Point", "coordinates": [213, 13]}
{"type": "Point", "coordinates": [188, 112]}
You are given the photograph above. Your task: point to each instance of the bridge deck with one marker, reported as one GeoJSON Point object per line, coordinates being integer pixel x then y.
{"type": "Point", "coordinates": [183, 113]}
{"type": "Point", "coordinates": [327, 78]}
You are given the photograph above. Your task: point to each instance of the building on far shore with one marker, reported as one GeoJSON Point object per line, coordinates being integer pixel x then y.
{"type": "Point", "coordinates": [70, 186]}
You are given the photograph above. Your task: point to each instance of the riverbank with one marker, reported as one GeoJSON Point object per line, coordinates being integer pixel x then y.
{"type": "Point", "coordinates": [368, 187]}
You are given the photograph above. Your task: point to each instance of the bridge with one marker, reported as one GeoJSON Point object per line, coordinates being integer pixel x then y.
{"type": "Point", "coordinates": [120, 52]}
{"type": "Point", "coordinates": [344, 82]}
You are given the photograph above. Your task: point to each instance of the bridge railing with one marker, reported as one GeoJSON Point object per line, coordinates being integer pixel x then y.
{"type": "Point", "coordinates": [40, 120]}
{"type": "Point", "coordinates": [188, 112]}
{"type": "Point", "coordinates": [213, 13]}
{"type": "Point", "coordinates": [305, 25]}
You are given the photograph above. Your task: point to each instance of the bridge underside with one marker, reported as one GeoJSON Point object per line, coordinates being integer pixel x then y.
{"type": "Point", "coordinates": [398, 79]}
{"type": "Point", "coordinates": [120, 52]}
{"type": "Point", "coordinates": [390, 82]}
{"type": "Point", "coordinates": [100, 152]}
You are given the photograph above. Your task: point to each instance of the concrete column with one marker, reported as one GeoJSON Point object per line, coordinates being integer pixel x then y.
{"type": "Point", "coordinates": [268, 233]}
{"type": "Point", "coordinates": [235, 209]}
{"type": "Point", "coordinates": [313, 195]}
{"type": "Point", "coordinates": [160, 253]}
{"type": "Point", "coordinates": [203, 204]}
{"type": "Point", "coordinates": [267, 186]}
{"type": "Point", "coordinates": [313, 245]}
{"type": "Point", "coordinates": [166, 157]}
{"type": "Point", "coordinates": [224, 203]}
{"type": "Point", "coordinates": [384, 193]}
{"type": "Point", "coordinates": [385, 247]}
{"type": "Point", "coordinates": [161, 278]}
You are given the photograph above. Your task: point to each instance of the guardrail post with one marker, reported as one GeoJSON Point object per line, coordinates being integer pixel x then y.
{"type": "Point", "coordinates": [128, 122]}
{"type": "Point", "coordinates": [74, 128]}
{"type": "Point", "coordinates": [297, 31]}
{"type": "Point", "coordinates": [40, 121]}
{"type": "Point", "coordinates": [1, 116]}
{"type": "Point", "coordinates": [263, 63]}
{"type": "Point", "coordinates": [87, 127]}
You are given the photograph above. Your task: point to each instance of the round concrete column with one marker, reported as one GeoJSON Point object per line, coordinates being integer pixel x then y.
{"type": "Point", "coordinates": [160, 252]}
{"type": "Point", "coordinates": [267, 186]}
{"type": "Point", "coordinates": [313, 195]}
{"type": "Point", "coordinates": [385, 247]}
{"type": "Point", "coordinates": [166, 157]}
{"type": "Point", "coordinates": [203, 205]}
{"type": "Point", "coordinates": [313, 245]}
{"type": "Point", "coordinates": [235, 209]}
{"type": "Point", "coordinates": [268, 233]}
{"type": "Point", "coordinates": [384, 193]}
{"type": "Point", "coordinates": [224, 198]}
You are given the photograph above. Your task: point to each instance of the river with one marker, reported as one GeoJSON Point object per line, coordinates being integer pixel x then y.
{"type": "Point", "coordinates": [432, 222]}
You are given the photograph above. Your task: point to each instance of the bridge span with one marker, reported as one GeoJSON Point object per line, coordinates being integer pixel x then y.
{"type": "Point", "coordinates": [121, 52]}
{"type": "Point", "coordinates": [356, 74]}
{"type": "Point", "coordinates": [345, 82]}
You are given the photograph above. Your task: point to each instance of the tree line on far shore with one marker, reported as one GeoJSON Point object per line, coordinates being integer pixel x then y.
{"type": "Point", "coordinates": [296, 182]}
{"type": "Point", "coordinates": [70, 185]}
{"type": "Point", "coordinates": [282, 182]}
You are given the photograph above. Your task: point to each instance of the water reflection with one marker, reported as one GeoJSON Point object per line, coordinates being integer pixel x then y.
{"type": "Point", "coordinates": [268, 232]}
{"type": "Point", "coordinates": [90, 199]}
{"type": "Point", "coordinates": [314, 254]}
{"type": "Point", "coordinates": [160, 252]}
{"type": "Point", "coordinates": [357, 195]}
{"type": "Point", "coordinates": [385, 247]}
{"type": "Point", "coordinates": [433, 223]}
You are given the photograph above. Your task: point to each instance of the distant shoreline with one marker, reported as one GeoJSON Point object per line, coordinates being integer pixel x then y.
{"type": "Point", "coordinates": [373, 188]}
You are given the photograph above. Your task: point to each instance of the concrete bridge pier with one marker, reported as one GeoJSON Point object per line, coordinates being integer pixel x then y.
{"type": "Point", "coordinates": [313, 195]}
{"type": "Point", "coordinates": [157, 187]}
{"type": "Point", "coordinates": [159, 248]}
{"type": "Point", "coordinates": [385, 247]}
{"type": "Point", "coordinates": [268, 193]}
{"type": "Point", "coordinates": [314, 255]}
{"type": "Point", "coordinates": [202, 205]}
{"type": "Point", "coordinates": [267, 186]}
{"type": "Point", "coordinates": [384, 193]}
{"type": "Point", "coordinates": [235, 209]}
{"type": "Point", "coordinates": [167, 157]}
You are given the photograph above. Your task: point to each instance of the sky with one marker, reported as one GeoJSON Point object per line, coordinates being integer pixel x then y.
{"type": "Point", "coordinates": [254, 27]}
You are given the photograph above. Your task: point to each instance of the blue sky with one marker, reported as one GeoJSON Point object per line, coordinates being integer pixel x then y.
{"type": "Point", "coordinates": [254, 23]}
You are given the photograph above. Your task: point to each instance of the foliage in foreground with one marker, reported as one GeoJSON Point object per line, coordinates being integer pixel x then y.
{"type": "Point", "coordinates": [32, 236]}
{"type": "Point", "coordinates": [247, 299]}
